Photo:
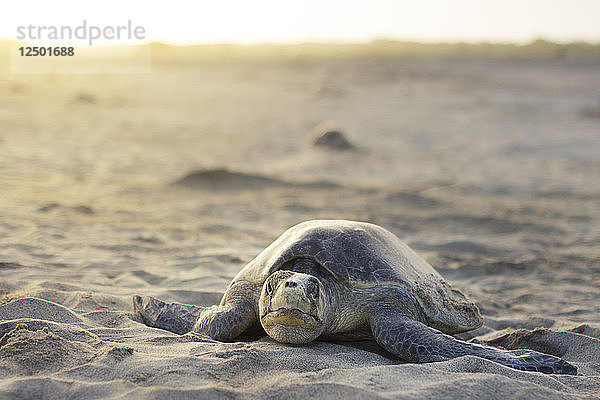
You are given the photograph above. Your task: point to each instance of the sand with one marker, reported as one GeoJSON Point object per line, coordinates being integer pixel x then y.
{"type": "Point", "coordinates": [167, 183]}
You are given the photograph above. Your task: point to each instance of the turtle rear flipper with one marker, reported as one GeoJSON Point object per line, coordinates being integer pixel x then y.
{"type": "Point", "coordinates": [415, 342]}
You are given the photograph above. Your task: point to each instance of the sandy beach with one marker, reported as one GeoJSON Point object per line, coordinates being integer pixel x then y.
{"type": "Point", "coordinates": [168, 183]}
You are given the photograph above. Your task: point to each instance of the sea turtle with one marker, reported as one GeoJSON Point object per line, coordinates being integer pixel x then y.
{"type": "Point", "coordinates": [347, 280]}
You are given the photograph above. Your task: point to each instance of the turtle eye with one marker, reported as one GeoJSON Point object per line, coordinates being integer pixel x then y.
{"type": "Point", "coordinates": [312, 289]}
{"type": "Point", "coordinates": [269, 287]}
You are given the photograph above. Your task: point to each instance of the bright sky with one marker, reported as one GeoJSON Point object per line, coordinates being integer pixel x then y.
{"type": "Point", "coordinates": [284, 21]}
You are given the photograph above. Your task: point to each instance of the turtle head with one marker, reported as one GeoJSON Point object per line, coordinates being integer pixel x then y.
{"type": "Point", "coordinates": [293, 307]}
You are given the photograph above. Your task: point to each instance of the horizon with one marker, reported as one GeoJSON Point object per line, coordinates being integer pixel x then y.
{"type": "Point", "coordinates": [383, 40]}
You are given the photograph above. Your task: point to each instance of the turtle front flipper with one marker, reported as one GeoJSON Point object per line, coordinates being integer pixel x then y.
{"type": "Point", "coordinates": [415, 342]}
{"type": "Point", "coordinates": [174, 317]}
{"type": "Point", "coordinates": [236, 313]}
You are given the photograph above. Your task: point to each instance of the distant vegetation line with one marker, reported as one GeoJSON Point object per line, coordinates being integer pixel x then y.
{"type": "Point", "coordinates": [379, 48]}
